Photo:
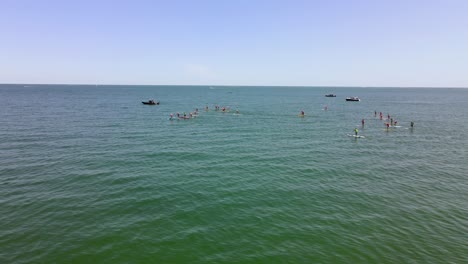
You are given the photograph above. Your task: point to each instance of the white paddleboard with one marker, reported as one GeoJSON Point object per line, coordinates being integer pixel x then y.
{"type": "Point", "coordinates": [356, 136]}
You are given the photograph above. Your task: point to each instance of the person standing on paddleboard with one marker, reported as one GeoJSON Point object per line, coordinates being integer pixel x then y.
{"type": "Point", "coordinates": [356, 131]}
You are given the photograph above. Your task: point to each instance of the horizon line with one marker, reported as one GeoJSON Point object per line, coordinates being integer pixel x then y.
{"type": "Point", "coordinates": [242, 85]}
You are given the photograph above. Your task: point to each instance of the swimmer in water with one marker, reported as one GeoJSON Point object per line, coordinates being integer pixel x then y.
{"type": "Point", "coordinates": [237, 111]}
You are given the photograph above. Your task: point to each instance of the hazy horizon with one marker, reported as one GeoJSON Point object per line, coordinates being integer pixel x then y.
{"type": "Point", "coordinates": [240, 85]}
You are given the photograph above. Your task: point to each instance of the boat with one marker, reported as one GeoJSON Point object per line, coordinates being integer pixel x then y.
{"type": "Point", "coordinates": [353, 99]}
{"type": "Point", "coordinates": [330, 95]}
{"type": "Point", "coordinates": [150, 102]}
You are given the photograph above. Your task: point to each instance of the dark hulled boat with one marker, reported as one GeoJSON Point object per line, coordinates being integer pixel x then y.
{"type": "Point", "coordinates": [150, 102]}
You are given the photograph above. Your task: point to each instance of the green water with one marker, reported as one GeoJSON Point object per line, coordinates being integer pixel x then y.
{"type": "Point", "coordinates": [90, 175]}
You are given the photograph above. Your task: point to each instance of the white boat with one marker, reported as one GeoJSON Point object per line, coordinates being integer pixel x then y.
{"type": "Point", "coordinates": [353, 99]}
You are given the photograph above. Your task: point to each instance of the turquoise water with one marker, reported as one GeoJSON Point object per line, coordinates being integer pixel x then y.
{"type": "Point", "coordinates": [90, 175]}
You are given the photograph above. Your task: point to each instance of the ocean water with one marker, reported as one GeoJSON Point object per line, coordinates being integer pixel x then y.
{"type": "Point", "coordinates": [88, 174]}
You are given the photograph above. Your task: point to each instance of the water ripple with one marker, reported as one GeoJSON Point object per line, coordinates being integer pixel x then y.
{"type": "Point", "coordinates": [103, 178]}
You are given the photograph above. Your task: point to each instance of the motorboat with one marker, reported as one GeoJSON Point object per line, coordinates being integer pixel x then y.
{"type": "Point", "coordinates": [353, 99]}
{"type": "Point", "coordinates": [150, 102]}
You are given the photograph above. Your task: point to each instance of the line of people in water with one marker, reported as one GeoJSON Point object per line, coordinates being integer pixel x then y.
{"type": "Point", "coordinates": [224, 109]}
{"type": "Point", "coordinates": [195, 113]}
{"type": "Point", "coordinates": [184, 115]}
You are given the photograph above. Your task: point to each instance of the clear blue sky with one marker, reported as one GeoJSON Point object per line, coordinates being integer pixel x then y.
{"type": "Point", "coordinates": [240, 42]}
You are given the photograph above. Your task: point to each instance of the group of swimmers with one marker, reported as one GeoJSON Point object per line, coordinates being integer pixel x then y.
{"type": "Point", "coordinates": [224, 109]}
{"type": "Point", "coordinates": [390, 122]}
{"type": "Point", "coordinates": [184, 115]}
{"type": "Point", "coordinates": [195, 113]}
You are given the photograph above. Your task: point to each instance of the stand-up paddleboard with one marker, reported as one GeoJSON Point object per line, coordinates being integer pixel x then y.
{"type": "Point", "coordinates": [301, 115]}
{"type": "Point", "coordinates": [356, 136]}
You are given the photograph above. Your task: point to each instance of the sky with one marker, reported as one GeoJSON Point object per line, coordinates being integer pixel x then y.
{"type": "Point", "coordinates": [394, 43]}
